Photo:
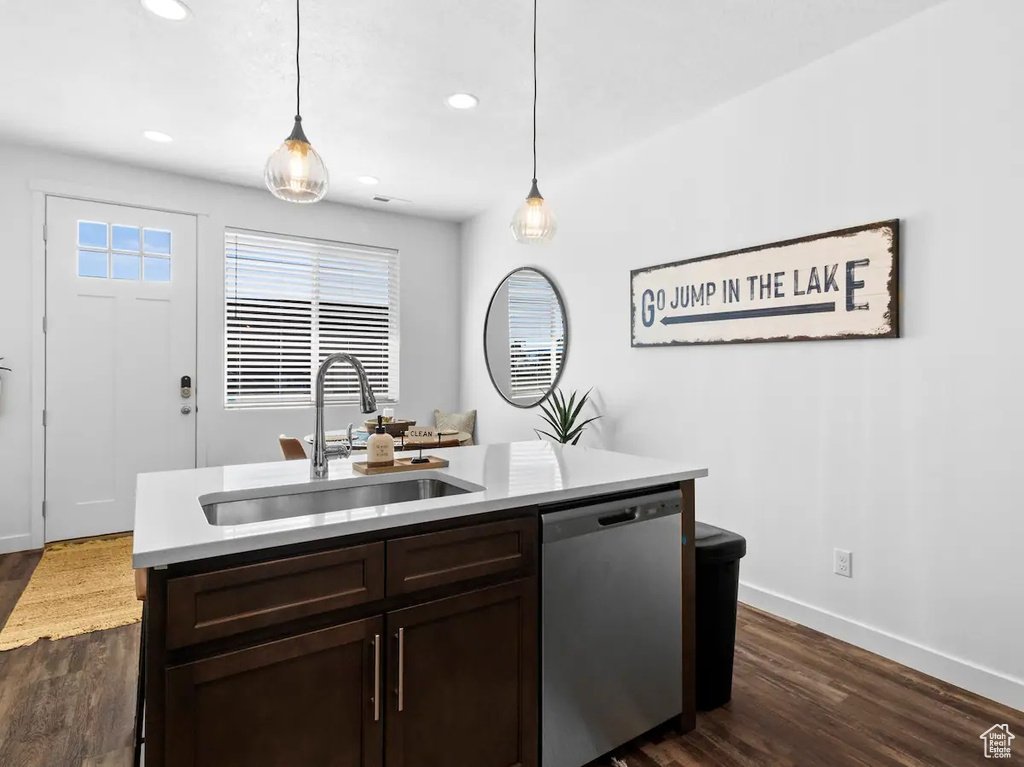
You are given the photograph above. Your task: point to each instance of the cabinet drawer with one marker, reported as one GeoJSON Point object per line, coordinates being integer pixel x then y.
{"type": "Point", "coordinates": [226, 602]}
{"type": "Point", "coordinates": [436, 559]}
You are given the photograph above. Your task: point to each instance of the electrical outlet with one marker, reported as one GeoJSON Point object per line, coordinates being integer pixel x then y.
{"type": "Point", "coordinates": [843, 563]}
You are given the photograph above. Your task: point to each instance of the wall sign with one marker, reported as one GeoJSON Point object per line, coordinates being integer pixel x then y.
{"type": "Point", "coordinates": [841, 284]}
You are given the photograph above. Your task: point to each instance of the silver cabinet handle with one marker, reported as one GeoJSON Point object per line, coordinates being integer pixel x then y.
{"type": "Point", "coordinates": [376, 677]}
{"type": "Point", "coordinates": [186, 409]}
{"type": "Point", "coordinates": [401, 668]}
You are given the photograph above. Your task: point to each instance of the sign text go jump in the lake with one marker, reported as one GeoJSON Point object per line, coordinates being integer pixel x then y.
{"type": "Point", "coordinates": [841, 284]}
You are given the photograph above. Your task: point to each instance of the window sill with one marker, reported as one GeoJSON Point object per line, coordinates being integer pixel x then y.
{"type": "Point", "coordinates": [381, 402]}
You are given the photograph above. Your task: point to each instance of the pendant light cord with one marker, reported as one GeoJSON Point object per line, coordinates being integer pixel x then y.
{"type": "Point", "coordinates": [534, 91]}
{"type": "Point", "coordinates": [298, 71]}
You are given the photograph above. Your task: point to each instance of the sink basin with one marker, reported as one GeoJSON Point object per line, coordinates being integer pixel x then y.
{"type": "Point", "coordinates": [247, 510]}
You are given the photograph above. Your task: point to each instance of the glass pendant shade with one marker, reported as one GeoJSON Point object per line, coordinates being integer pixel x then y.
{"type": "Point", "coordinates": [534, 222]}
{"type": "Point", "coordinates": [296, 172]}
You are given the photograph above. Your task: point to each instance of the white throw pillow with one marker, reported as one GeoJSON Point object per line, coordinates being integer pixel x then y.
{"type": "Point", "coordinates": [456, 421]}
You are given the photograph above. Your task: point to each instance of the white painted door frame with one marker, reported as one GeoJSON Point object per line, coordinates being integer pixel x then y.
{"type": "Point", "coordinates": [41, 189]}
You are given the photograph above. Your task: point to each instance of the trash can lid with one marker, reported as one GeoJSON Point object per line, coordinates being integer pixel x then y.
{"type": "Point", "coordinates": [717, 545]}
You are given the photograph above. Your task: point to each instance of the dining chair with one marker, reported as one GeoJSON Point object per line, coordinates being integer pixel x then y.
{"type": "Point", "coordinates": [291, 448]}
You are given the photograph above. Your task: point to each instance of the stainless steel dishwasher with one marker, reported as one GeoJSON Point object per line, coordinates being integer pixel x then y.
{"type": "Point", "coordinates": [611, 630]}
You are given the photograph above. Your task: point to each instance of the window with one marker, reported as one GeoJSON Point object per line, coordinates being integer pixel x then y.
{"type": "Point", "coordinates": [119, 252]}
{"type": "Point", "coordinates": [289, 303]}
{"type": "Point", "coordinates": [536, 334]}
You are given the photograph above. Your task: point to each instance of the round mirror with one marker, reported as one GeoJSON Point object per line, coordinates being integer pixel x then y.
{"type": "Point", "coordinates": [525, 337]}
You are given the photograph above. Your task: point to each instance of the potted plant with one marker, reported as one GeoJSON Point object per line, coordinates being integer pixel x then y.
{"type": "Point", "coordinates": [561, 414]}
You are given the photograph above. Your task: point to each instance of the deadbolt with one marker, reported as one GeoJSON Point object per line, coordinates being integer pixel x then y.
{"type": "Point", "coordinates": [186, 409]}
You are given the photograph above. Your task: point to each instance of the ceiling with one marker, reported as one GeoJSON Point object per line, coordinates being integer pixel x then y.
{"type": "Point", "coordinates": [90, 75]}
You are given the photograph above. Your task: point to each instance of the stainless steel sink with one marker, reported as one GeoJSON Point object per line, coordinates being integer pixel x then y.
{"type": "Point", "coordinates": [247, 510]}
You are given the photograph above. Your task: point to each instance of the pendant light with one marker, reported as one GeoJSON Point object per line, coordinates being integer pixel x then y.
{"type": "Point", "coordinates": [296, 172]}
{"type": "Point", "coordinates": [534, 222]}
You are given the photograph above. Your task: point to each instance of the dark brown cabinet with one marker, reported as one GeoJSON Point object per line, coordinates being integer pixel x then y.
{"type": "Point", "coordinates": [304, 700]}
{"type": "Point", "coordinates": [462, 679]}
{"type": "Point", "coordinates": [416, 651]}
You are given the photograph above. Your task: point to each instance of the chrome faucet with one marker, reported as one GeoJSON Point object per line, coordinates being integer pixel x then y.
{"type": "Point", "coordinates": [367, 403]}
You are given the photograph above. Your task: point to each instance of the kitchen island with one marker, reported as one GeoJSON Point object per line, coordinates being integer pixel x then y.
{"type": "Point", "coordinates": [361, 620]}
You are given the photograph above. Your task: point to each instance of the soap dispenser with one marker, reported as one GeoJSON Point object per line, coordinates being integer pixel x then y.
{"type": "Point", "coordinates": [380, 448]}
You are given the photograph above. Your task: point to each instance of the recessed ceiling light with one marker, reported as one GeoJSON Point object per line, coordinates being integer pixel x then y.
{"type": "Point", "coordinates": [157, 136]}
{"type": "Point", "coordinates": [368, 180]}
{"type": "Point", "coordinates": [462, 101]}
{"type": "Point", "coordinates": [172, 10]}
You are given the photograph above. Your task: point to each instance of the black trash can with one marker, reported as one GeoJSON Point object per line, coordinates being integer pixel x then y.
{"type": "Point", "coordinates": [718, 579]}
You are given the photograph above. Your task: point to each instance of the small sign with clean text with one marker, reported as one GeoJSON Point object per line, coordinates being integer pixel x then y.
{"type": "Point", "coordinates": [421, 434]}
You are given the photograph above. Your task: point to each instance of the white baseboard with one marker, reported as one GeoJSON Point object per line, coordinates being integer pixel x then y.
{"type": "Point", "coordinates": [9, 543]}
{"type": "Point", "coordinates": [983, 681]}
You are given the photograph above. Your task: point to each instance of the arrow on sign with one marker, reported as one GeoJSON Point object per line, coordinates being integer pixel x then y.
{"type": "Point", "coordinates": [747, 314]}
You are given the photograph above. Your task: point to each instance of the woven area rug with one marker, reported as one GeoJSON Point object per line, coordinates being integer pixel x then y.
{"type": "Point", "coordinates": [76, 588]}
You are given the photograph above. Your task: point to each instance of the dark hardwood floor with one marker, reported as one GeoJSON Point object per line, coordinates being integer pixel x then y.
{"type": "Point", "coordinates": [65, 703]}
{"type": "Point", "coordinates": [804, 698]}
{"type": "Point", "coordinates": [799, 698]}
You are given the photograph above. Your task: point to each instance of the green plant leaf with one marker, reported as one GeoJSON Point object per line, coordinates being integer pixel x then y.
{"type": "Point", "coordinates": [556, 410]}
{"type": "Point", "coordinates": [550, 418]}
{"type": "Point", "coordinates": [579, 429]}
{"type": "Point", "coordinates": [547, 411]}
{"type": "Point", "coordinates": [567, 412]}
{"type": "Point", "coordinates": [579, 407]}
{"type": "Point", "coordinates": [555, 429]}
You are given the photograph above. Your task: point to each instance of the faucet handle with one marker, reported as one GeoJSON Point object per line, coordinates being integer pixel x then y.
{"type": "Point", "coordinates": [344, 450]}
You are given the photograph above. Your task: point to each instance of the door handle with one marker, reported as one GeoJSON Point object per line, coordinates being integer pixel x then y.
{"type": "Point", "coordinates": [401, 668]}
{"type": "Point", "coordinates": [376, 677]}
{"type": "Point", "coordinates": [186, 409]}
{"type": "Point", "coordinates": [628, 515]}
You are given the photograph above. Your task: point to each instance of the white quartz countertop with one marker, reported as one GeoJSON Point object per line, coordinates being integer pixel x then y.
{"type": "Point", "coordinates": [170, 525]}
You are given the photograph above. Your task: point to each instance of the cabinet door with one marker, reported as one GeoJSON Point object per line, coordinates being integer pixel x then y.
{"type": "Point", "coordinates": [462, 680]}
{"type": "Point", "coordinates": [303, 700]}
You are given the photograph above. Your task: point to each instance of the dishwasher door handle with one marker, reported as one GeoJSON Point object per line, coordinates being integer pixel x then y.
{"type": "Point", "coordinates": [627, 515]}
{"type": "Point", "coordinates": [574, 521]}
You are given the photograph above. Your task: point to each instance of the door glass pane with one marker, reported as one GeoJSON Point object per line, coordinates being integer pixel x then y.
{"type": "Point", "coordinates": [126, 238]}
{"type": "Point", "coordinates": [157, 241]}
{"type": "Point", "coordinates": [125, 266]}
{"type": "Point", "coordinates": [157, 269]}
{"type": "Point", "coordinates": [92, 263]}
{"type": "Point", "coordinates": [92, 235]}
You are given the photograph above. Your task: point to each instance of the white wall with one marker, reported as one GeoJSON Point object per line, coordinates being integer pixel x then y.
{"type": "Point", "coordinates": [429, 264]}
{"type": "Point", "coordinates": [499, 359]}
{"type": "Point", "coordinates": [907, 452]}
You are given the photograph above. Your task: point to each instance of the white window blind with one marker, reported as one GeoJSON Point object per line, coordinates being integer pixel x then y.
{"type": "Point", "coordinates": [536, 334]}
{"type": "Point", "coordinates": [291, 302]}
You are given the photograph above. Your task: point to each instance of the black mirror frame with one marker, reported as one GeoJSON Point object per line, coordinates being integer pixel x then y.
{"type": "Point", "coordinates": [565, 325]}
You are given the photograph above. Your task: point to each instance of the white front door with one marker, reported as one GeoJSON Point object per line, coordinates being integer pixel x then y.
{"type": "Point", "coordinates": [120, 335]}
